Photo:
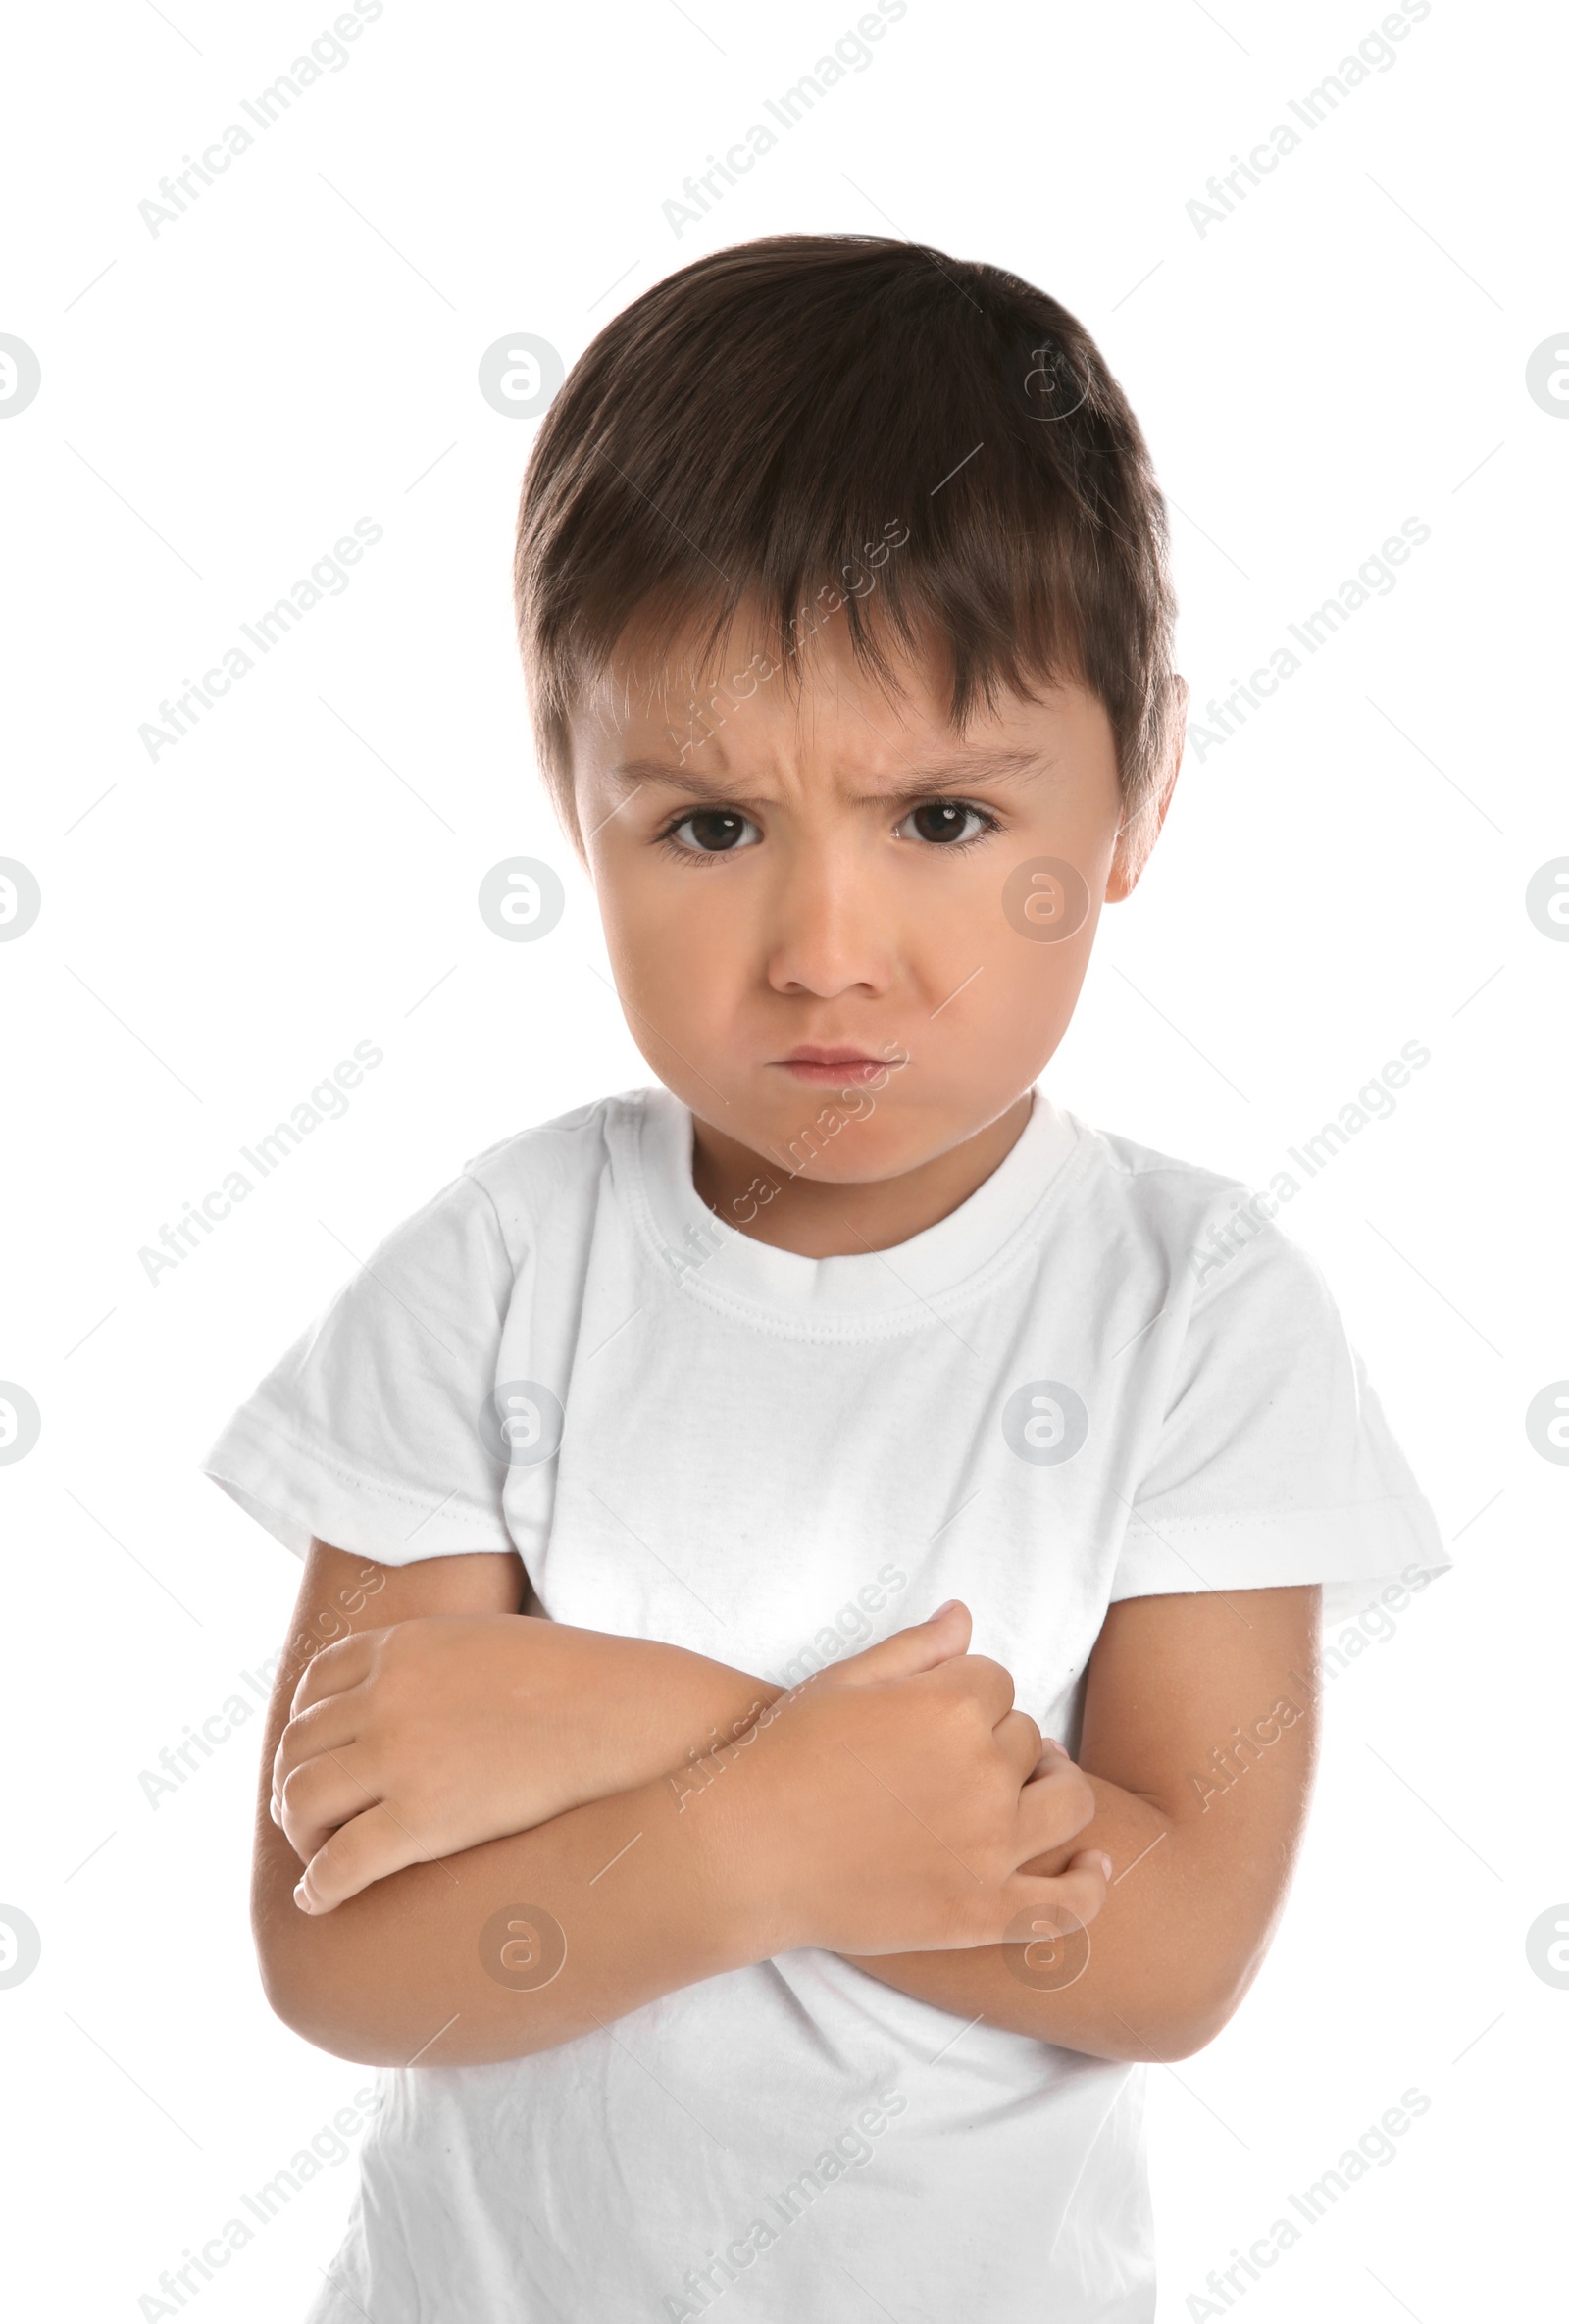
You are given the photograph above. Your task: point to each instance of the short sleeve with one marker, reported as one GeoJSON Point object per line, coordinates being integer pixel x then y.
{"type": "Point", "coordinates": [366, 1433]}
{"type": "Point", "coordinates": [1274, 1465]}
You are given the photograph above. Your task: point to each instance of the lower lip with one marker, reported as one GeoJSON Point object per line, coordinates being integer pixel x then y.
{"type": "Point", "coordinates": [850, 1076]}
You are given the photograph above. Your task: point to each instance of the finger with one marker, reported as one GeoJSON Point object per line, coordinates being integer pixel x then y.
{"type": "Point", "coordinates": [1018, 1738]}
{"type": "Point", "coordinates": [920, 1648]}
{"type": "Point", "coordinates": [342, 1664]}
{"type": "Point", "coordinates": [1070, 1899]}
{"type": "Point", "coordinates": [367, 1849]}
{"type": "Point", "coordinates": [1103, 1863]}
{"type": "Point", "coordinates": [977, 1674]}
{"type": "Point", "coordinates": [316, 1798]}
{"type": "Point", "coordinates": [330, 1725]}
{"type": "Point", "coordinates": [1053, 1808]}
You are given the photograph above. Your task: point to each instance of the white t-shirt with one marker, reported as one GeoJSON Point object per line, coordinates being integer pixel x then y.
{"type": "Point", "coordinates": [1068, 1392]}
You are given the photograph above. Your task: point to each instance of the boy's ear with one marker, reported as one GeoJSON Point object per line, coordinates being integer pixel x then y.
{"type": "Point", "coordinates": [1137, 835]}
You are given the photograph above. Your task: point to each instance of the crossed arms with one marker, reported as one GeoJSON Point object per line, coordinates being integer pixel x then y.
{"type": "Point", "coordinates": [668, 1818]}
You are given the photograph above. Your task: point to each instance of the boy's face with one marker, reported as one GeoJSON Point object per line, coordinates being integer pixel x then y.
{"type": "Point", "coordinates": [843, 936]}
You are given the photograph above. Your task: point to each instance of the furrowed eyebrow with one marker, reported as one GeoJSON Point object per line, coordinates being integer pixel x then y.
{"type": "Point", "coordinates": [944, 781]}
{"type": "Point", "coordinates": [635, 773]}
{"type": "Point", "coordinates": [954, 776]}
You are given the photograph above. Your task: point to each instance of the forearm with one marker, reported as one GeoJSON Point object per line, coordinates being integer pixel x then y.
{"type": "Point", "coordinates": [394, 1973]}
{"type": "Point", "coordinates": [1099, 1989]}
{"type": "Point", "coordinates": [1131, 1999]}
{"type": "Point", "coordinates": [1136, 1996]}
{"type": "Point", "coordinates": [599, 1713]}
{"type": "Point", "coordinates": [1159, 1971]}
{"type": "Point", "coordinates": [431, 1966]}
{"type": "Point", "coordinates": [677, 1724]}
{"type": "Point", "coordinates": [1155, 1977]}
{"type": "Point", "coordinates": [642, 1744]}
{"type": "Point", "coordinates": [776, 1836]}
{"type": "Point", "coordinates": [686, 1720]}
{"type": "Point", "coordinates": [1199, 1861]}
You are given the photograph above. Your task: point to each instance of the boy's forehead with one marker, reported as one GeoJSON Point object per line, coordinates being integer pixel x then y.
{"type": "Point", "coordinates": [825, 684]}
{"type": "Point", "coordinates": [653, 721]}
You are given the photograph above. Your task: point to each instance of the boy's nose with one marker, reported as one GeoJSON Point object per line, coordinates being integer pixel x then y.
{"type": "Point", "coordinates": [827, 927]}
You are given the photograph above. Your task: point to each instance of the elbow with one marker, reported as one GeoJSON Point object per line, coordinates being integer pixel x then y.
{"type": "Point", "coordinates": [1137, 2029]}
{"type": "Point", "coordinates": [340, 2032]}
{"type": "Point", "coordinates": [1191, 2021]}
{"type": "Point", "coordinates": [297, 2000]}
{"type": "Point", "coordinates": [1161, 2039]}
{"type": "Point", "coordinates": [332, 1998]}
{"type": "Point", "coordinates": [1180, 2037]}
{"type": "Point", "coordinates": [330, 2012]}
{"type": "Point", "coordinates": [1162, 2028]}
{"type": "Point", "coordinates": [334, 1977]}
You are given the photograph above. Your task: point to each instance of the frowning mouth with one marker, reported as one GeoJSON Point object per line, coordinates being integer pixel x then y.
{"type": "Point", "coordinates": [838, 1069]}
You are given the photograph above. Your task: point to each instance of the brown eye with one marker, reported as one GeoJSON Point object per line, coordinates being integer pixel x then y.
{"type": "Point", "coordinates": [942, 822]}
{"type": "Point", "coordinates": [715, 831]}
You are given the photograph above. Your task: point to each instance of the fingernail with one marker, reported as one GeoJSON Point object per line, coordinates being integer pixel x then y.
{"type": "Point", "coordinates": [1105, 1867]}
{"type": "Point", "coordinates": [301, 1898]}
{"type": "Point", "coordinates": [272, 1810]}
{"type": "Point", "coordinates": [945, 1608]}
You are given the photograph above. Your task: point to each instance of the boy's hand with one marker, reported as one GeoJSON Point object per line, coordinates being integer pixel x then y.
{"type": "Point", "coordinates": [414, 1742]}
{"type": "Point", "coordinates": [889, 1804]}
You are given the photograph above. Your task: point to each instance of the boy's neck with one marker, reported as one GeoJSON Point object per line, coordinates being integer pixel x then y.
{"type": "Point", "coordinates": [818, 1218]}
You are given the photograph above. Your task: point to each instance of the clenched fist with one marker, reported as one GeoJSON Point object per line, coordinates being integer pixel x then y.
{"type": "Point", "coordinates": [411, 1743]}
{"type": "Point", "coordinates": [890, 1803]}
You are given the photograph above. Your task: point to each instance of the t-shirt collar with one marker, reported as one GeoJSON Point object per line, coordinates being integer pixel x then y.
{"type": "Point", "coordinates": [722, 1262]}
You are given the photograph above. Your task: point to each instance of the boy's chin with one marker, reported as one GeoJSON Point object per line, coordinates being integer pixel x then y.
{"type": "Point", "coordinates": [869, 1145]}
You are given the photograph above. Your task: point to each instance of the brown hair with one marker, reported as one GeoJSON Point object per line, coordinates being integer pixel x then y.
{"type": "Point", "coordinates": [758, 422]}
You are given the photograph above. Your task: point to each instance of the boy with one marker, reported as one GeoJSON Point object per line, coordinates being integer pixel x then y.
{"type": "Point", "coordinates": [674, 1867]}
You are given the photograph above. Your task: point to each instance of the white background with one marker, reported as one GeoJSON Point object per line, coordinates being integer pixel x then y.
{"type": "Point", "coordinates": [219, 402]}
